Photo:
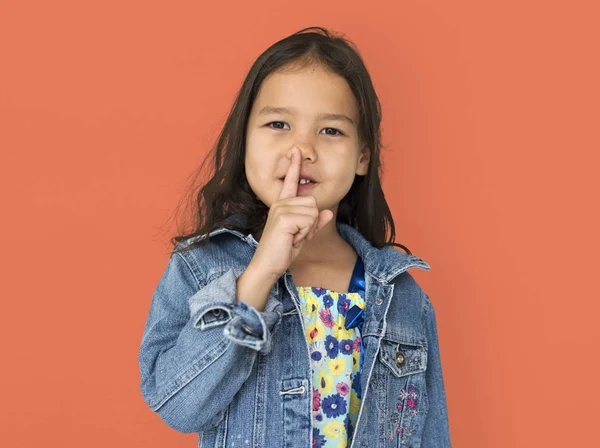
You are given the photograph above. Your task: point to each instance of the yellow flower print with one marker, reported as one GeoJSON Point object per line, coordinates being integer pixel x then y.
{"type": "Point", "coordinates": [324, 382]}
{"type": "Point", "coordinates": [354, 403]}
{"type": "Point", "coordinates": [334, 429]}
{"type": "Point", "coordinates": [334, 295]}
{"type": "Point", "coordinates": [337, 366]}
{"type": "Point", "coordinates": [315, 331]}
{"type": "Point", "coordinates": [355, 358]}
{"type": "Point", "coordinates": [339, 331]}
{"type": "Point", "coordinates": [360, 304]}
{"type": "Point", "coordinates": [343, 443]}
{"type": "Point", "coordinates": [312, 306]}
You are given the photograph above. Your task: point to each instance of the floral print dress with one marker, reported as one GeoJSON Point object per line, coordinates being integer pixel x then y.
{"type": "Point", "coordinates": [335, 353]}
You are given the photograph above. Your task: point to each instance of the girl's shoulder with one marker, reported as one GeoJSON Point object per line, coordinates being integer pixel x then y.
{"type": "Point", "coordinates": [223, 251]}
{"type": "Point", "coordinates": [408, 311]}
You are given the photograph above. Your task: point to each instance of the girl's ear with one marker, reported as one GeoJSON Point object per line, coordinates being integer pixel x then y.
{"type": "Point", "coordinates": [363, 161]}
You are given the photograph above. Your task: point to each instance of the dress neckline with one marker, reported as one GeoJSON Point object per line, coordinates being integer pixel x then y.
{"type": "Point", "coordinates": [357, 281]}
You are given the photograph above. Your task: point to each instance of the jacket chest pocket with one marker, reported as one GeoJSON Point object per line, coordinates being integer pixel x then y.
{"type": "Point", "coordinates": [402, 367]}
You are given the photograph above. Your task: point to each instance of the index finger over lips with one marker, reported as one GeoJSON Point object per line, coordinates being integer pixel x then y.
{"type": "Point", "coordinates": [290, 182]}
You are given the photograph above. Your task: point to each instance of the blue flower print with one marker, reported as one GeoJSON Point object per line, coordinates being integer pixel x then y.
{"type": "Point", "coordinates": [343, 304]}
{"type": "Point", "coordinates": [331, 345]}
{"type": "Point", "coordinates": [318, 438]}
{"type": "Point", "coordinates": [346, 346]}
{"type": "Point", "coordinates": [348, 425]}
{"type": "Point", "coordinates": [318, 291]}
{"type": "Point", "coordinates": [356, 381]}
{"type": "Point", "coordinates": [334, 405]}
{"type": "Point", "coordinates": [335, 365]}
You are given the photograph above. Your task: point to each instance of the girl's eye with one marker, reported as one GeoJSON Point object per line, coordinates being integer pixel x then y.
{"type": "Point", "coordinates": [336, 130]}
{"type": "Point", "coordinates": [339, 133]}
{"type": "Point", "coordinates": [269, 124]}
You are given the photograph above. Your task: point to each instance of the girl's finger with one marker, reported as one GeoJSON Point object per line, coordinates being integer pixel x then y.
{"type": "Point", "coordinates": [324, 217]}
{"type": "Point", "coordinates": [289, 188]}
{"type": "Point", "coordinates": [313, 229]}
{"type": "Point", "coordinates": [300, 235]}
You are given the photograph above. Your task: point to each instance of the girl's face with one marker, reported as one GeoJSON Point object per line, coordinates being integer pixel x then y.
{"type": "Point", "coordinates": [328, 144]}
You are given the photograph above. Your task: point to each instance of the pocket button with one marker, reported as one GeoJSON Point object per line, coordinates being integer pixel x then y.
{"type": "Point", "coordinates": [216, 312]}
{"type": "Point", "coordinates": [400, 359]}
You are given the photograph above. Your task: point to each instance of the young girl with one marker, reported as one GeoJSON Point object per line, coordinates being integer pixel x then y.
{"type": "Point", "coordinates": [287, 319]}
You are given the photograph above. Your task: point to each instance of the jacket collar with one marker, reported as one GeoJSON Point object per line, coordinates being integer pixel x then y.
{"type": "Point", "coordinates": [384, 263]}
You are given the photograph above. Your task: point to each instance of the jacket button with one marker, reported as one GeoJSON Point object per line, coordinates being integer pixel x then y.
{"type": "Point", "coordinates": [379, 301]}
{"type": "Point", "coordinates": [216, 312]}
{"type": "Point", "coordinates": [400, 359]}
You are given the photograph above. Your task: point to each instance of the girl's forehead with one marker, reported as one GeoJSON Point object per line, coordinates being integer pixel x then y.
{"type": "Point", "coordinates": [305, 81]}
{"type": "Point", "coordinates": [304, 91]}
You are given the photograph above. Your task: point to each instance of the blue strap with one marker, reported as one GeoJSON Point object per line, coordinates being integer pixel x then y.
{"type": "Point", "coordinates": [357, 282]}
{"type": "Point", "coordinates": [355, 317]}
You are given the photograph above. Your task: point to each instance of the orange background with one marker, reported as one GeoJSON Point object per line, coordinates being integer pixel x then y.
{"type": "Point", "coordinates": [491, 118]}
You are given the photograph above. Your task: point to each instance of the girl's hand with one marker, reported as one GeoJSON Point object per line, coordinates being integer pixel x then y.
{"type": "Point", "coordinates": [290, 220]}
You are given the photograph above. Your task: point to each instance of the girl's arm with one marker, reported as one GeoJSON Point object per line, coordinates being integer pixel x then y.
{"type": "Point", "coordinates": [199, 346]}
{"type": "Point", "coordinates": [436, 432]}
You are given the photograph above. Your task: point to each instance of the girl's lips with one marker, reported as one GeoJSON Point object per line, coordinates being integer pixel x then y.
{"type": "Point", "coordinates": [303, 187]}
{"type": "Point", "coordinates": [311, 182]}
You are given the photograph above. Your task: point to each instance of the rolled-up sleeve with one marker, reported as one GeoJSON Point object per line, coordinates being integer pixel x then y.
{"type": "Point", "coordinates": [199, 345]}
{"type": "Point", "coordinates": [216, 304]}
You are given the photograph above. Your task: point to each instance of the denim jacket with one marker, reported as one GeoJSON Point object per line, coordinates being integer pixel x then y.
{"type": "Point", "coordinates": [240, 377]}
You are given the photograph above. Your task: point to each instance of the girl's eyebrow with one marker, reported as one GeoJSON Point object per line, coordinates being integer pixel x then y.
{"type": "Point", "coordinates": [324, 116]}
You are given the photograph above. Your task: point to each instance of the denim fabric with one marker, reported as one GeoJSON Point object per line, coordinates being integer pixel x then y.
{"type": "Point", "coordinates": [240, 377]}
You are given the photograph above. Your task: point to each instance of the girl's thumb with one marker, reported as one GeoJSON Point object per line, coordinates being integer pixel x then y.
{"type": "Point", "coordinates": [324, 217]}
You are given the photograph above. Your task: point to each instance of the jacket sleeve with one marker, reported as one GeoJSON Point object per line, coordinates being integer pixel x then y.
{"type": "Point", "coordinates": [436, 431]}
{"type": "Point", "coordinates": [199, 346]}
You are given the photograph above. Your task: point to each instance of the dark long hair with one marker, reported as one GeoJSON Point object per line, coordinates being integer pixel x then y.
{"type": "Point", "coordinates": [227, 192]}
